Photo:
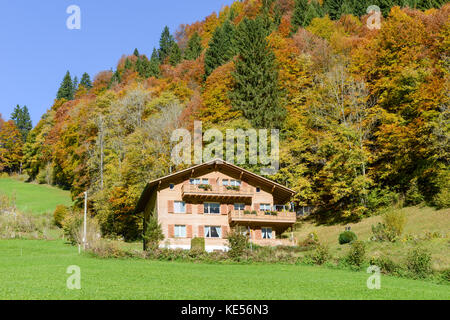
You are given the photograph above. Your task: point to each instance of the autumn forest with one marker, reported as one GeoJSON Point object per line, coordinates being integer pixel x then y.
{"type": "Point", "coordinates": [363, 112]}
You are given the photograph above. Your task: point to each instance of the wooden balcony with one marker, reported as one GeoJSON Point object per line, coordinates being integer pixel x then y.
{"type": "Point", "coordinates": [283, 217]}
{"type": "Point", "coordinates": [211, 192]}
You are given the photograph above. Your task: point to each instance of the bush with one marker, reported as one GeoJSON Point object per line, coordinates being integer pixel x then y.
{"type": "Point", "coordinates": [380, 198]}
{"type": "Point", "coordinates": [320, 255]}
{"type": "Point", "coordinates": [385, 264]}
{"type": "Point", "coordinates": [347, 237]}
{"type": "Point", "coordinates": [418, 262]}
{"type": "Point", "coordinates": [59, 215]}
{"type": "Point", "coordinates": [153, 233]}
{"type": "Point", "coordinates": [355, 256]}
{"type": "Point", "coordinates": [71, 225]}
{"type": "Point", "coordinates": [391, 228]}
{"type": "Point", "coordinates": [238, 242]}
{"type": "Point", "coordinates": [413, 196]}
{"type": "Point", "coordinates": [198, 244]}
{"type": "Point", "coordinates": [311, 240]}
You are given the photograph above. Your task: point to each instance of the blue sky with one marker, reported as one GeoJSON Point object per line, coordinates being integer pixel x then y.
{"type": "Point", "coordinates": [37, 48]}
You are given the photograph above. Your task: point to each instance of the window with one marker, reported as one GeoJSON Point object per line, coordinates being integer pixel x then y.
{"type": "Point", "coordinates": [171, 186]}
{"type": "Point", "coordinates": [213, 232]}
{"type": "Point", "coordinates": [180, 231]}
{"type": "Point", "coordinates": [264, 207]}
{"type": "Point", "coordinates": [205, 181]}
{"type": "Point", "coordinates": [225, 182]}
{"type": "Point", "coordinates": [195, 181]}
{"type": "Point", "coordinates": [235, 183]}
{"type": "Point", "coordinates": [266, 233]}
{"type": "Point", "coordinates": [239, 206]}
{"type": "Point", "coordinates": [211, 208]}
{"type": "Point", "coordinates": [179, 207]}
{"type": "Point", "coordinates": [258, 189]}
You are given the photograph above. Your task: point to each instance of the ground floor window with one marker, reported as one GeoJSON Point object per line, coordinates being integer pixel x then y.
{"type": "Point", "coordinates": [266, 233]}
{"type": "Point", "coordinates": [213, 232]}
{"type": "Point", "coordinates": [180, 231]}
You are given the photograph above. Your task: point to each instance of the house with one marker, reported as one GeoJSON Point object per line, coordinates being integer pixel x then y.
{"type": "Point", "coordinates": [209, 199]}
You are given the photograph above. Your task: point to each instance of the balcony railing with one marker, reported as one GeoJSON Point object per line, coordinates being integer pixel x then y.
{"type": "Point", "coordinates": [262, 216]}
{"type": "Point", "coordinates": [215, 190]}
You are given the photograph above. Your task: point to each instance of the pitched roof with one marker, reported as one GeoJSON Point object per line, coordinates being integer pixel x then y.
{"type": "Point", "coordinates": [152, 185]}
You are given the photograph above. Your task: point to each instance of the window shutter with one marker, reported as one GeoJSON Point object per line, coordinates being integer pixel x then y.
{"type": "Point", "coordinates": [230, 207]}
{"type": "Point", "coordinates": [256, 207]}
{"type": "Point", "coordinates": [212, 181]}
{"type": "Point", "coordinates": [171, 231]}
{"type": "Point", "coordinates": [188, 231]}
{"type": "Point", "coordinates": [223, 209]}
{"type": "Point", "coordinates": [224, 232]}
{"type": "Point", "coordinates": [247, 207]}
{"type": "Point", "coordinates": [188, 208]}
{"type": "Point", "coordinates": [201, 208]}
{"type": "Point", "coordinates": [244, 185]}
{"type": "Point", "coordinates": [201, 232]}
{"type": "Point", "coordinates": [170, 205]}
{"type": "Point", "coordinates": [258, 234]}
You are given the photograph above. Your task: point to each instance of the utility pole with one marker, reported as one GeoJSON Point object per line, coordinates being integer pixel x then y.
{"type": "Point", "coordinates": [85, 222]}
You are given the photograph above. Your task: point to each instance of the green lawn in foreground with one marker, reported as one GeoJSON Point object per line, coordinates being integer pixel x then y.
{"type": "Point", "coordinates": [34, 198]}
{"type": "Point", "coordinates": [31, 269]}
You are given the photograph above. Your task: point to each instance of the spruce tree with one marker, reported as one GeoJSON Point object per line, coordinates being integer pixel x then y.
{"type": "Point", "coordinates": [136, 52]}
{"type": "Point", "coordinates": [86, 81]}
{"type": "Point", "coordinates": [333, 8]}
{"type": "Point", "coordinates": [194, 47]}
{"type": "Point", "coordinates": [298, 16]}
{"type": "Point", "coordinates": [21, 118]}
{"type": "Point", "coordinates": [175, 55]}
{"type": "Point", "coordinates": [165, 44]}
{"type": "Point", "coordinates": [154, 64]}
{"type": "Point", "coordinates": [128, 64]}
{"type": "Point", "coordinates": [256, 92]}
{"type": "Point", "coordinates": [65, 91]}
{"type": "Point", "coordinates": [75, 85]}
{"type": "Point", "coordinates": [221, 47]}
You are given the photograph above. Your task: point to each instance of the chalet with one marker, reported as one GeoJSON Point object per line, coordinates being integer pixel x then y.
{"type": "Point", "coordinates": [208, 200]}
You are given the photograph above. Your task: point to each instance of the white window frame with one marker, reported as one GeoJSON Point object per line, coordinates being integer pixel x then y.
{"type": "Point", "coordinates": [225, 182]}
{"type": "Point", "coordinates": [180, 231]}
{"type": "Point", "coordinates": [176, 208]}
{"type": "Point", "coordinates": [238, 206]}
{"type": "Point", "coordinates": [267, 207]}
{"type": "Point", "coordinates": [208, 203]}
{"type": "Point", "coordinates": [195, 181]}
{"type": "Point", "coordinates": [205, 181]}
{"type": "Point", "coordinates": [208, 230]}
{"type": "Point", "coordinates": [265, 234]}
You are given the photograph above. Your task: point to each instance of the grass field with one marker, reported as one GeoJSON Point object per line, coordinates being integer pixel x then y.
{"type": "Point", "coordinates": [34, 198]}
{"type": "Point", "coordinates": [37, 270]}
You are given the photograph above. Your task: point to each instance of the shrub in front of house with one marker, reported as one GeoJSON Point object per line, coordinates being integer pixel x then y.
{"type": "Point", "coordinates": [238, 243]}
{"type": "Point", "coordinates": [198, 244]}
{"type": "Point", "coordinates": [347, 237]}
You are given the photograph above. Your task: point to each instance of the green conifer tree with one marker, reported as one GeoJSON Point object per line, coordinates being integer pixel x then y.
{"type": "Point", "coordinates": [194, 47]}
{"type": "Point", "coordinates": [21, 118]}
{"type": "Point", "coordinates": [165, 44]}
{"type": "Point", "coordinates": [65, 91]}
{"type": "Point", "coordinates": [175, 55]}
{"type": "Point", "coordinates": [256, 93]}
{"type": "Point", "coordinates": [86, 81]}
{"type": "Point", "coordinates": [221, 47]}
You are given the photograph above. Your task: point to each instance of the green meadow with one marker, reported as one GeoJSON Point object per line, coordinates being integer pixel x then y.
{"type": "Point", "coordinates": [37, 270]}
{"type": "Point", "coordinates": [35, 198]}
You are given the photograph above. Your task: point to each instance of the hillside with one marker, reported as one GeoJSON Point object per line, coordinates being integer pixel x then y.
{"type": "Point", "coordinates": [362, 112]}
{"type": "Point", "coordinates": [34, 198]}
{"type": "Point", "coordinates": [420, 222]}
